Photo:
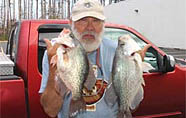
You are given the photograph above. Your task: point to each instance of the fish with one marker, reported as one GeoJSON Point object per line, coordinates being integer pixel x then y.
{"type": "Point", "coordinates": [127, 74]}
{"type": "Point", "coordinates": [72, 68]}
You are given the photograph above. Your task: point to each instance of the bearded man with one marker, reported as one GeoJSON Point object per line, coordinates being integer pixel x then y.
{"type": "Point", "coordinates": [87, 24]}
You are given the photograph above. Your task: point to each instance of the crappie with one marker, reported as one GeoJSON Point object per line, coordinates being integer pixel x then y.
{"type": "Point", "coordinates": [72, 64]}
{"type": "Point", "coordinates": [127, 74]}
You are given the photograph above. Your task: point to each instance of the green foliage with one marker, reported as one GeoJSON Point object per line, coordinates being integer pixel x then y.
{"type": "Point", "coordinates": [3, 37]}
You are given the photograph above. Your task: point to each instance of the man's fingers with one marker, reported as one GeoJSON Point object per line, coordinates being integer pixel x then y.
{"type": "Point", "coordinates": [143, 51]}
{"type": "Point", "coordinates": [48, 43]}
{"type": "Point", "coordinates": [51, 49]}
{"type": "Point", "coordinates": [146, 48]}
{"type": "Point", "coordinates": [56, 45]}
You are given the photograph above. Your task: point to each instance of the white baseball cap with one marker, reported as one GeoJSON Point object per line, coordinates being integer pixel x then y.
{"type": "Point", "coordinates": [84, 8]}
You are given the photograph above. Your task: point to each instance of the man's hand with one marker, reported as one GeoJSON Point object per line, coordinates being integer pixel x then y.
{"type": "Point", "coordinates": [51, 50]}
{"type": "Point", "coordinates": [50, 99]}
{"type": "Point", "coordinates": [143, 51]}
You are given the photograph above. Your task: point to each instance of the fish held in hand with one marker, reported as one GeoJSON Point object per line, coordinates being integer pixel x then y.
{"type": "Point", "coordinates": [72, 64]}
{"type": "Point", "coordinates": [127, 74]}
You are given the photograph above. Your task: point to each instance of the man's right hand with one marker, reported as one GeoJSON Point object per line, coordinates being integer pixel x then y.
{"type": "Point", "coordinates": [51, 100]}
{"type": "Point", "coordinates": [51, 50]}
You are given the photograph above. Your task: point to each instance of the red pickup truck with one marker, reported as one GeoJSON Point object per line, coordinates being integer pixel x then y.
{"type": "Point", "coordinates": [165, 85]}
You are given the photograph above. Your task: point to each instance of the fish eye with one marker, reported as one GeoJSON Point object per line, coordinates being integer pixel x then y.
{"type": "Point", "coordinates": [72, 35]}
{"type": "Point", "coordinates": [65, 52]}
{"type": "Point", "coordinates": [64, 46]}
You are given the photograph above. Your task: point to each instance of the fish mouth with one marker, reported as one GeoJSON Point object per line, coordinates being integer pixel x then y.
{"type": "Point", "coordinates": [122, 43]}
{"type": "Point", "coordinates": [66, 46]}
{"type": "Point", "coordinates": [66, 49]}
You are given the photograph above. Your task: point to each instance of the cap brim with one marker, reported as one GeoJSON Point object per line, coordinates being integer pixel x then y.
{"type": "Point", "coordinates": [86, 14]}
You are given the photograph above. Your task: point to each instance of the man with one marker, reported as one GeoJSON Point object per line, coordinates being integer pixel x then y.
{"type": "Point", "coordinates": [87, 24]}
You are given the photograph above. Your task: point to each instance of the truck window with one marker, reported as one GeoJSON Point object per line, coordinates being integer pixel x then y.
{"type": "Point", "coordinates": [114, 33]}
{"type": "Point", "coordinates": [111, 33]}
{"type": "Point", "coordinates": [12, 44]}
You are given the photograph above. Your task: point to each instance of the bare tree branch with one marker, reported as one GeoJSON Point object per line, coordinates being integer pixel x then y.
{"type": "Point", "coordinates": [36, 9]}
{"type": "Point", "coordinates": [31, 9]}
{"type": "Point", "coordinates": [20, 10]}
{"type": "Point", "coordinates": [28, 9]}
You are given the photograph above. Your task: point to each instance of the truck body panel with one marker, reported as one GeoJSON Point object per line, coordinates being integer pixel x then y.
{"type": "Point", "coordinates": [165, 90]}
{"type": "Point", "coordinates": [12, 100]}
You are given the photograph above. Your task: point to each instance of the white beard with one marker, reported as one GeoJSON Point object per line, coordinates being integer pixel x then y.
{"type": "Point", "coordinates": [88, 44]}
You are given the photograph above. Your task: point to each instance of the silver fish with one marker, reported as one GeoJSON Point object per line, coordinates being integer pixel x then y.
{"type": "Point", "coordinates": [127, 74]}
{"type": "Point", "coordinates": [72, 67]}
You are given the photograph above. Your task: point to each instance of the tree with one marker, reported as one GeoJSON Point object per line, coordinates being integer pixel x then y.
{"type": "Point", "coordinates": [8, 16]}
{"type": "Point", "coordinates": [62, 9]}
{"type": "Point", "coordinates": [103, 2]}
{"type": "Point", "coordinates": [14, 10]}
{"type": "Point", "coordinates": [28, 8]}
{"type": "Point", "coordinates": [49, 9]}
{"type": "Point", "coordinates": [4, 21]}
{"type": "Point", "coordinates": [42, 10]}
{"type": "Point", "coordinates": [68, 12]}
{"type": "Point", "coordinates": [1, 15]}
{"type": "Point", "coordinates": [54, 9]}
{"type": "Point", "coordinates": [59, 9]}
{"type": "Point", "coordinates": [25, 9]}
{"type": "Point", "coordinates": [36, 9]}
{"type": "Point", "coordinates": [31, 9]}
{"type": "Point", "coordinates": [20, 10]}
{"type": "Point", "coordinates": [110, 1]}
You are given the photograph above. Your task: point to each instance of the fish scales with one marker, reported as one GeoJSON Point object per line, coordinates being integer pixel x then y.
{"type": "Point", "coordinates": [71, 73]}
{"type": "Point", "coordinates": [79, 70]}
{"type": "Point", "coordinates": [127, 77]}
{"type": "Point", "coordinates": [73, 70]}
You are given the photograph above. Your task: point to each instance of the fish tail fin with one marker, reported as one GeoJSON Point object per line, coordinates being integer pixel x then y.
{"type": "Point", "coordinates": [77, 106]}
{"type": "Point", "coordinates": [126, 114]}
{"type": "Point", "coordinates": [146, 67]}
{"type": "Point", "coordinates": [120, 114]}
{"type": "Point", "coordinates": [110, 96]}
